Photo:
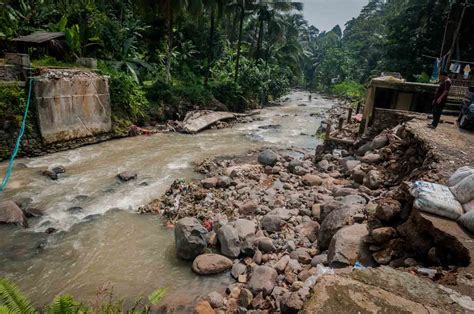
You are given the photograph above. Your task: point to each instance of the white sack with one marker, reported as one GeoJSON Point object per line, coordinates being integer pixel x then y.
{"type": "Point", "coordinates": [436, 199]}
{"type": "Point", "coordinates": [469, 206]}
{"type": "Point", "coordinates": [460, 174]}
{"type": "Point", "coordinates": [467, 220]}
{"type": "Point", "coordinates": [464, 189]}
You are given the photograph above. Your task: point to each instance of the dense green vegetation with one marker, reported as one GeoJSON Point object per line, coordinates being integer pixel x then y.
{"type": "Point", "coordinates": [12, 301]}
{"type": "Point", "coordinates": [169, 56]}
{"type": "Point", "coordinates": [388, 36]}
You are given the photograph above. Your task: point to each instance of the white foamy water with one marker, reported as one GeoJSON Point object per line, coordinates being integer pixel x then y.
{"type": "Point", "coordinates": [132, 252]}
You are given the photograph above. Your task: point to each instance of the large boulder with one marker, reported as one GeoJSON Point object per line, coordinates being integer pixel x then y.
{"type": "Point", "coordinates": [190, 238]}
{"type": "Point", "coordinates": [263, 280]}
{"type": "Point", "coordinates": [334, 221]}
{"type": "Point", "coordinates": [268, 157]}
{"type": "Point", "coordinates": [10, 213]}
{"type": "Point", "coordinates": [347, 246]}
{"type": "Point", "coordinates": [350, 164]}
{"type": "Point", "coordinates": [209, 264]}
{"type": "Point", "coordinates": [229, 241]}
{"type": "Point", "coordinates": [383, 290]}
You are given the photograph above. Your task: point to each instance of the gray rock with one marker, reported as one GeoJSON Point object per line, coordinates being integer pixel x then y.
{"type": "Point", "coordinates": [301, 255]}
{"type": "Point", "coordinates": [245, 228]}
{"type": "Point", "coordinates": [293, 266]}
{"type": "Point", "coordinates": [263, 280]}
{"type": "Point", "coordinates": [223, 182]}
{"type": "Point", "coordinates": [10, 213]}
{"type": "Point", "coordinates": [309, 229]}
{"type": "Point", "coordinates": [292, 165]}
{"type": "Point", "coordinates": [209, 264]}
{"type": "Point", "coordinates": [229, 241]}
{"type": "Point", "coordinates": [248, 208]}
{"type": "Point", "coordinates": [323, 165]}
{"type": "Point", "coordinates": [373, 179]}
{"type": "Point", "coordinates": [319, 259]}
{"type": "Point", "coordinates": [347, 246]}
{"type": "Point", "coordinates": [245, 298]}
{"type": "Point", "coordinates": [388, 209]}
{"type": "Point", "coordinates": [215, 299]}
{"type": "Point", "coordinates": [268, 157]}
{"type": "Point", "coordinates": [127, 176]}
{"type": "Point", "coordinates": [280, 266]}
{"type": "Point", "coordinates": [337, 219]}
{"type": "Point", "coordinates": [312, 180]}
{"type": "Point", "coordinates": [290, 246]}
{"type": "Point", "coordinates": [379, 141]}
{"type": "Point", "coordinates": [371, 158]}
{"type": "Point", "coordinates": [383, 234]}
{"type": "Point", "coordinates": [237, 270]}
{"type": "Point", "coordinates": [361, 151]}
{"type": "Point", "coordinates": [190, 238]}
{"type": "Point", "coordinates": [271, 223]}
{"type": "Point", "coordinates": [50, 174]}
{"type": "Point", "coordinates": [283, 213]}
{"type": "Point", "coordinates": [209, 183]}
{"type": "Point", "coordinates": [358, 175]}
{"type": "Point", "coordinates": [350, 164]}
{"type": "Point", "coordinates": [345, 192]}
{"type": "Point", "coordinates": [266, 245]}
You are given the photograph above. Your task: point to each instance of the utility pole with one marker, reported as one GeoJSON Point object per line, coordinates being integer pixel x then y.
{"type": "Point", "coordinates": [456, 34]}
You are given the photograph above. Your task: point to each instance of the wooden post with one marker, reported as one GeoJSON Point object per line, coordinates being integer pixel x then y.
{"type": "Point", "coordinates": [349, 116]}
{"type": "Point", "coordinates": [328, 131]}
{"type": "Point", "coordinates": [358, 107]}
{"type": "Point", "coordinates": [341, 123]}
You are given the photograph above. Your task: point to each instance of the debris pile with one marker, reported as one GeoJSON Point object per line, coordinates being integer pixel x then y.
{"type": "Point", "coordinates": [283, 217]}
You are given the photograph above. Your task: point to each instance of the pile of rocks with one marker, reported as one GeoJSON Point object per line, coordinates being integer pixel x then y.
{"type": "Point", "coordinates": [277, 217]}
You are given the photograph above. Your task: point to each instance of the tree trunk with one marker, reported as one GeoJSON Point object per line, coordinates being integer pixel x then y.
{"type": "Point", "coordinates": [259, 39]}
{"type": "Point", "coordinates": [211, 42]}
{"type": "Point", "coordinates": [170, 43]}
{"type": "Point", "coordinates": [237, 61]}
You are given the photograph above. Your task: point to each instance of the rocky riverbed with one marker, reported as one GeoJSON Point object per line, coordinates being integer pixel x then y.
{"type": "Point", "coordinates": [278, 219]}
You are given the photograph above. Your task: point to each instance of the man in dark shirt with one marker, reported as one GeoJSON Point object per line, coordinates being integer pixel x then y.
{"type": "Point", "coordinates": [440, 99]}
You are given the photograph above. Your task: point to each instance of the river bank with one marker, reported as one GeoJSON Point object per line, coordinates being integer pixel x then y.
{"type": "Point", "coordinates": [144, 260]}
{"type": "Point", "coordinates": [280, 218]}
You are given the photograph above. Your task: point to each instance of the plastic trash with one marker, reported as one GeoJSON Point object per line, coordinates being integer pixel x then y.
{"type": "Point", "coordinates": [460, 174]}
{"type": "Point", "coordinates": [436, 199]}
{"type": "Point", "coordinates": [359, 266]}
{"type": "Point", "coordinates": [464, 189]}
{"type": "Point", "coordinates": [430, 273]}
{"type": "Point", "coordinates": [320, 271]}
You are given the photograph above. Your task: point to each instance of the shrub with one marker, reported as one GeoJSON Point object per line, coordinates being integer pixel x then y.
{"type": "Point", "coordinates": [349, 89]}
{"type": "Point", "coordinates": [127, 97]}
{"type": "Point", "coordinates": [230, 94]}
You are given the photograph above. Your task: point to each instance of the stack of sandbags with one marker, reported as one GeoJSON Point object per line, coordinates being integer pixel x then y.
{"type": "Point", "coordinates": [436, 199]}
{"type": "Point", "coordinates": [461, 184]}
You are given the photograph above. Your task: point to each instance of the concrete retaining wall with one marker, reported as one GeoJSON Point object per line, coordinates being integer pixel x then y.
{"type": "Point", "coordinates": [72, 107]}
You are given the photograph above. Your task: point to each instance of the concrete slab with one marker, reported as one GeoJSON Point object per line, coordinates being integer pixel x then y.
{"type": "Point", "coordinates": [199, 120]}
{"type": "Point", "coordinates": [72, 106]}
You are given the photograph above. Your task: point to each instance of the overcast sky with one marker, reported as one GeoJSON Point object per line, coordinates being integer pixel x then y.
{"type": "Point", "coordinates": [325, 14]}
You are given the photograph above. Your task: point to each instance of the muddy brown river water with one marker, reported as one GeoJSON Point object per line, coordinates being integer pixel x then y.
{"type": "Point", "coordinates": [106, 243]}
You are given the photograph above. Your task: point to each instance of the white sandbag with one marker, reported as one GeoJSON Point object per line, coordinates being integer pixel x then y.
{"type": "Point", "coordinates": [469, 206]}
{"type": "Point", "coordinates": [436, 199]}
{"type": "Point", "coordinates": [464, 189]}
{"type": "Point", "coordinates": [460, 174]}
{"type": "Point", "coordinates": [467, 220]}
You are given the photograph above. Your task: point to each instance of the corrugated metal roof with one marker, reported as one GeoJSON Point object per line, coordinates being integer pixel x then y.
{"type": "Point", "coordinates": [39, 37]}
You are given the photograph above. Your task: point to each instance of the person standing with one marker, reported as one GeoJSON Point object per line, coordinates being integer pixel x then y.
{"type": "Point", "coordinates": [441, 96]}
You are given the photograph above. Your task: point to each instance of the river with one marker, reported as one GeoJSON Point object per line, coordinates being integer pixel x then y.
{"type": "Point", "coordinates": [105, 243]}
